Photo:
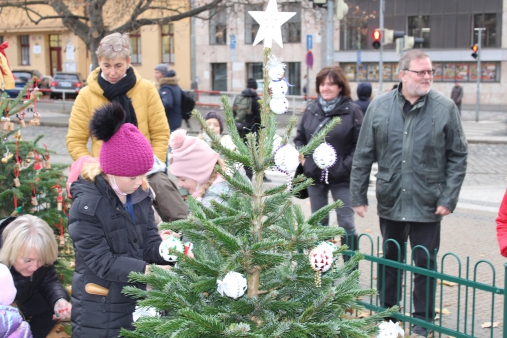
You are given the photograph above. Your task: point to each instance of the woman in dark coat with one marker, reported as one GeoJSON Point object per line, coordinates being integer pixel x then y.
{"type": "Point", "coordinates": [111, 222]}
{"type": "Point", "coordinates": [333, 100]}
{"type": "Point", "coordinates": [29, 249]}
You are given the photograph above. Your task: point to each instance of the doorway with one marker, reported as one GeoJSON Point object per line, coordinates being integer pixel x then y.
{"type": "Point", "coordinates": [55, 54]}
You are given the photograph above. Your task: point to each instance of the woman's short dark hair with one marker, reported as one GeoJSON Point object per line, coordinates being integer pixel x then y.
{"type": "Point", "coordinates": [337, 75]}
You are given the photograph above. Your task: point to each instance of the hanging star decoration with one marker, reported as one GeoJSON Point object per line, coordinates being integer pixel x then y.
{"type": "Point", "coordinates": [270, 22]}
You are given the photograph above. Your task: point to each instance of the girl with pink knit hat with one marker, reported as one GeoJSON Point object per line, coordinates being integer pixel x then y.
{"type": "Point", "coordinates": [193, 163]}
{"type": "Point", "coordinates": [111, 222]}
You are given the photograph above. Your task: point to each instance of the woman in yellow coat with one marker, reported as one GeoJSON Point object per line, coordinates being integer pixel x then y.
{"type": "Point", "coordinates": [116, 81]}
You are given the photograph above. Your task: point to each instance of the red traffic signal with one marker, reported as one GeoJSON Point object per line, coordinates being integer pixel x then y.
{"type": "Point", "coordinates": [475, 49]}
{"type": "Point", "coordinates": [377, 35]}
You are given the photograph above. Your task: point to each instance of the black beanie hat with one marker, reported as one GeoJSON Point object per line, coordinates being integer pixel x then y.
{"type": "Point", "coordinates": [252, 83]}
{"type": "Point", "coordinates": [214, 115]}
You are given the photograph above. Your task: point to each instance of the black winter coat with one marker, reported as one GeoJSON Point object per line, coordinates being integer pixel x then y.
{"type": "Point", "coordinates": [343, 137]}
{"type": "Point", "coordinates": [43, 280]}
{"type": "Point", "coordinates": [170, 94]}
{"type": "Point", "coordinates": [109, 245]}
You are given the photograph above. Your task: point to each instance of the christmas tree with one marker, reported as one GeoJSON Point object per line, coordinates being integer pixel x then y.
{"type": "Point", "coordinates": [29, 182]}
{"type": "Point", "coordinates": [261, 268]}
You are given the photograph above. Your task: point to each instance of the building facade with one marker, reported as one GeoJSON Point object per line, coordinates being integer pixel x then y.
{"type": "Point", "coordinates": [49, 47]}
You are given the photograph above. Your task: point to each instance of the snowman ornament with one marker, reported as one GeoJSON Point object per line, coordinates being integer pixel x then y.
{"type": "Point", "coordinates": [278, 86]}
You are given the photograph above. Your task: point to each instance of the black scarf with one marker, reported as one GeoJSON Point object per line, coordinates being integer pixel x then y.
{"type": "Point", "coordinates": [117, 92]}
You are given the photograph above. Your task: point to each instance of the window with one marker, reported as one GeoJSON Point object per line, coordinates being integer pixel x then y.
{"type": "Point", "coordinates": [1, 39]}
{"type": "Point", "coordinates": [135, 44]}
{"type": "Point", "coordinates": [219, 76]}
{"type": "Point", "coordinates": [419, 27]}
{"type": "Point", "coordinates": [254, 70]}
{"type": "Point", "coordinates": [353, 33]}
{"type": "Point", "coordinates": [218, 27]}
{"type": "Point", "coordinates": [291, 30]}
{"type": "Point", "coordinates": [489, 35]}
{"type": "Point", "coordinates": [25, 49]}
{"type": "Point", "coordinates": [168, 43]}
{"type": "Point", "coordinates": [293, 74]}
{"type": "Point", "coordinates": [251, 26]}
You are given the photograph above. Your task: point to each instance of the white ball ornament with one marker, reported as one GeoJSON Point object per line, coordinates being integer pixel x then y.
{"type": "Point", "coordinates": [171, 242]}
{"type": "Point", "coordinates": [286, 161]}
{"type": "Point", "coordinates": [279, 106]}
{"type": "Point", "coordinates": [233, 285]}
{"type": "Point", "coordinates": [390, 330]}
{"type": "Point", "coordinates": [324, 157]}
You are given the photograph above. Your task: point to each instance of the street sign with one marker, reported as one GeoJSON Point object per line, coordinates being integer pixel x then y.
{"type": "Point", "coordinates": [309, 41]}
{"type": "Point", "coordinates": [309, 59]}
{"type": "Point", "coordinates": [358, 56]}
{"type": "Point", "coordinates": [233, 41]}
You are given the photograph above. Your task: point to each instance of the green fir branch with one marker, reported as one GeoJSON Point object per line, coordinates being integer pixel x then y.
{"type": "Point", "coordinates": [323, 212]}
{"type": "Point", "coordinates": [316, 140]}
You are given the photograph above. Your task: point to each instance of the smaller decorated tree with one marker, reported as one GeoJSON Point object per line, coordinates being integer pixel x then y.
{"type": "Point", "coordinates": [29, 182]}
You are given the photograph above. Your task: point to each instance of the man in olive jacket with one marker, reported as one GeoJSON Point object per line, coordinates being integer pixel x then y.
{"type": "Point", "coordinates": [415, 135]}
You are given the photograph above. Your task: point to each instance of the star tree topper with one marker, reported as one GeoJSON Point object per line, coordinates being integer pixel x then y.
{"type": "Point", "coordinates": [270, 22]}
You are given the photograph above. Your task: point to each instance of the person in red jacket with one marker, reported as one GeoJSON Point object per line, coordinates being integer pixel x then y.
{"type": "Point", "coordinates": [501, 226]}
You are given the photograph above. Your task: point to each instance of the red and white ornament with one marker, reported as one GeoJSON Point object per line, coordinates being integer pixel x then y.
{"type": "Point", "coordinates": [321, 260]}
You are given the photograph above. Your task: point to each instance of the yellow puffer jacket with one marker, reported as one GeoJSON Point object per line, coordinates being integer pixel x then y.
{"type": "Point", "coordinates": [150, 113]}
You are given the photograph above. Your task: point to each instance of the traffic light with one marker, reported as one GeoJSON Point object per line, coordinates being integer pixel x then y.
{"type": "Point", "coordinates": [391, 35]}
{"type": "Point", "coordinates": [341, 9]}
{"type": "Point", "coordinates": [410, 41]}
{"type": "Point", "coordinates": [475, 50]}
{"type": "Point", "coordinates": [377, 35]}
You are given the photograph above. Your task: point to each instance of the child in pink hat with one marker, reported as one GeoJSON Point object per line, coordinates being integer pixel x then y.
{"type": "Point", "coordinates": [193, 162]}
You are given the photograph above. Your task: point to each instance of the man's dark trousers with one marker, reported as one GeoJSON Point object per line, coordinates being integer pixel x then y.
{"type": "Point", "coordinates": [424, 235]}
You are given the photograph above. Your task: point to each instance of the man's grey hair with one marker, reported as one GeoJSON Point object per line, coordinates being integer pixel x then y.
{"type": "Point", "coordinates": [413, 54]}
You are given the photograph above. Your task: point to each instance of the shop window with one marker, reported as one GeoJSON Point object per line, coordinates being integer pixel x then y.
{"type": "Point", "coordinates": [167, 43]}
{"type": "Point", "coordinates": [135, 44]}
{"type": "Point", "coordinates": [251, 26]}
{"type": "Point", "coordinates": [291, 30]}
{"type": "Point", "coordinates": [254, 70]}
{"type": "Point", "coordinates": [489, 36]}
{"type": "Point", "coordinates": [419, 27]}
{"type": "Point", "coordinates": [24, 42]}
{"type": "Point", "coordinates": [218, 27]}
{"type": "Point", "coordinates": [293, 74]}
{"type": "Point", "coordinates": [219, 76]}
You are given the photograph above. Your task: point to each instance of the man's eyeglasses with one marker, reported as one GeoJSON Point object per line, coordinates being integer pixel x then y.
{"type": "Point", "coordinates": [117, 47]}
{"type": "Point", "coordinates": [421, 73]}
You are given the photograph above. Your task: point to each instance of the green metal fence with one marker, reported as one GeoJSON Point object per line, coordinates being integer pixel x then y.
{"type": "Point", "coordinates": [466, 296]}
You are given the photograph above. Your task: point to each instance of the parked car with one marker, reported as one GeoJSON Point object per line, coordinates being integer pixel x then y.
{"type": "Point", "coordinates": [22, 76]}
{"type": "Point", "coordinates": [68, 82]}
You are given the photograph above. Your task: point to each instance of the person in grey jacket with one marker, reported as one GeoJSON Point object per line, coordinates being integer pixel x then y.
{"type": "Point", "coordinates": [457, 95]}
{"type": "Point", "coordinates": [415, 135]}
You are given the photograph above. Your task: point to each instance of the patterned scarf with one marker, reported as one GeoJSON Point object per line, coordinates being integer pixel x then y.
{"type": "Point", "coordinates": [328, 106]}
